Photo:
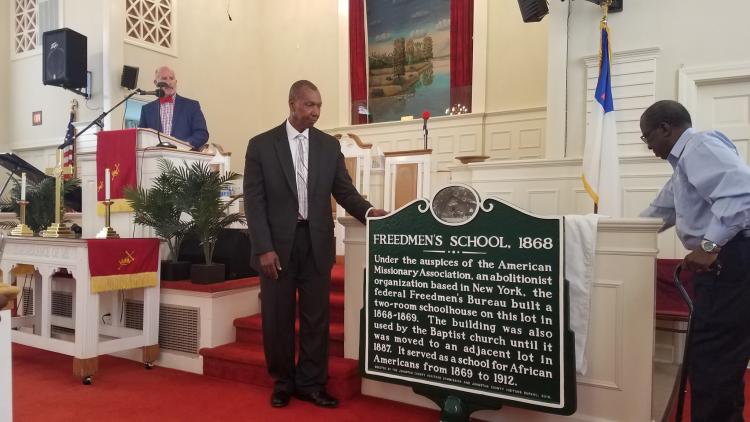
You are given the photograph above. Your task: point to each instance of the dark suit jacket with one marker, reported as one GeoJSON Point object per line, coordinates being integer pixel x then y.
{"type": "Point", "coordinates": [270, 192]}
{"type": "Point", "coordinates": [188, 123]}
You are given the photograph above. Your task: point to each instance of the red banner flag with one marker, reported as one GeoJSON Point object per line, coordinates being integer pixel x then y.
{"type": "Point", "coordinates": [115, 150]}
{"type": "Point", "coordinates": [117, 264]}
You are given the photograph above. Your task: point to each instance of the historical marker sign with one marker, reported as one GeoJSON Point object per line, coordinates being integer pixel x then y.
{"type": "Point", "coordinates": [469, 297]}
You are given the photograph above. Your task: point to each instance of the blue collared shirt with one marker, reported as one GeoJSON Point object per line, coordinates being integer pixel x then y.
{"type": "Point", "coordinates": [708, 195]}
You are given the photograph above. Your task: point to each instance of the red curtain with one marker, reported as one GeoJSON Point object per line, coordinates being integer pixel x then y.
{"type": "Point", "coordinates": [357, 57]}
{"type": "Point", "coordinates": [462, 31]}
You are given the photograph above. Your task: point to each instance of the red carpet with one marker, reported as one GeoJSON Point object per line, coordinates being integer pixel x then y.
{"type": "Point", "coordinates": [44, 389]}
{"type": "Point", "coordinates": [243, 360]}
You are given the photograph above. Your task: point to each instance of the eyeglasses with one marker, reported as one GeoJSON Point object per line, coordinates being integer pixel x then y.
{"type": "Point", "coordinates": [644, 138]}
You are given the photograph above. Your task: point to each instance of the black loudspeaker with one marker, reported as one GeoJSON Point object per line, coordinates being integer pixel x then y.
{"type": "Point", "coordinates": [129, 78]}
{"type": "Point", "coordinates": [64, 58]}
{"type": "Point", "coordinates": [533, 10]}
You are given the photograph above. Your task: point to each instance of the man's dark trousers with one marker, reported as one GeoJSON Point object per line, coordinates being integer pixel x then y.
{"type": "Point", "coordinates": [720, 341]}
{"type": "Point", "coordinates": [278, 311]}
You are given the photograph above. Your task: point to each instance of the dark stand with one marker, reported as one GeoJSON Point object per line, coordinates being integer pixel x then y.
{"type": "Point", "coordinates": [686, 351]}
{"type": "Point", "coordinates": [98, 122]}
{"type": "Point", "coordinates": [163, 144]}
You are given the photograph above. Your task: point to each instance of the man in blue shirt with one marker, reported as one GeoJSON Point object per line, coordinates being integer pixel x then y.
{"type": "Point", "coordinates": [708, 200]}
{"type": "Point", "coordinates": [173, 114]}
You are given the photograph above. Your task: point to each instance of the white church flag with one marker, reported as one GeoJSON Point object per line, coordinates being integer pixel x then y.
{"type": "Point", "coordinates": [601, 168]}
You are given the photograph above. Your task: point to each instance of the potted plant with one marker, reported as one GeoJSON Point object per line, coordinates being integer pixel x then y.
{"type": "Point", "coordinates": [40, 212]}
{"type": "Point", "coordinates": [199, 194]}
{"type": "Point", "coordinates": [158, 208]}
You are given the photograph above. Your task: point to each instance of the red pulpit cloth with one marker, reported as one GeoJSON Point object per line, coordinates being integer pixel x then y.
{"type": "Point", "coordinates": [115, 150]}
{"type": "Point", "coordinates": [117, 264]}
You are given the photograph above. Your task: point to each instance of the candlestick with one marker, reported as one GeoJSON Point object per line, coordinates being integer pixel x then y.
{"type": "Point", "coordinates": [106, 184]}
{"type": "Point", "coordinates": [107, 232]}
{"type": "Point", "coordinates": [23, 186]}
{"type": "Point", "coordinates": [22, 229]}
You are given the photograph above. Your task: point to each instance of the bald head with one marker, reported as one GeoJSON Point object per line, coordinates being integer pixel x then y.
{"type": "Point", "coordinates": [296, 88]}
{"type": "Point", "coordinates": [304, 105]}
{"type": "Point", "coordinates": [166, 75]}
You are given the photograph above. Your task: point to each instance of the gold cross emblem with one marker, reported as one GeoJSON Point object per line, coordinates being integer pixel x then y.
{"type": "Point", "coordinates": [126, 260]}
{"type": "Point", "coordinates": [58, 172]}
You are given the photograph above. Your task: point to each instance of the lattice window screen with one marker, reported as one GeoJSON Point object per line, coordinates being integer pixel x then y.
{"type": "Point", "coordinates": [25, 31]}
{"type": "Point", "coordinates": [150, 23]}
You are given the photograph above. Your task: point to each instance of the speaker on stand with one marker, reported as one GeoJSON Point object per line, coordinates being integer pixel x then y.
{"type": "Point", "coordinates": [64, 58]}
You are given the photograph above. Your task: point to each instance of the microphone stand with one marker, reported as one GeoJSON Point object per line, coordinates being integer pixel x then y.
{"type": "Point", "coordinates": [98, 120]}
{"type": "Point", "coordinates": [163, 144]}
{"type": "Point", "coordinates": [424, 129]}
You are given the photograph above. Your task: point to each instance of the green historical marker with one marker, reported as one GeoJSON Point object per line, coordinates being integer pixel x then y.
{"type": "Point", "coordinates": [465, 301]}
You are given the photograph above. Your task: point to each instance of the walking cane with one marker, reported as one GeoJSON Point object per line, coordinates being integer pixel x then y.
{"type": "Point", "coordinates": [686, 352]}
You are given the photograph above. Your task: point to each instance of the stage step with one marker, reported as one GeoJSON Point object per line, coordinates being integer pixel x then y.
{"type": "Point", "coordinates": [250, 330]}
{"type": "Point", "coordinates": [337, 279]}
{"type": "Point", "coordinates": [244, 362]}
{"type": "Point", "coordinates": [336, 311]}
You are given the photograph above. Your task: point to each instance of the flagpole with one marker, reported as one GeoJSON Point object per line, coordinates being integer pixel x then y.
{"type": "Point", "coordinates": [605, 11]}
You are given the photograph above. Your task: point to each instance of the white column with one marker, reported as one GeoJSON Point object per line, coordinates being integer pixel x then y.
{"type": "Point", "coordinates": [113, 57]}
{"type": "Point", "coordinates": [354, 265]}
{"type": "Point", "coordinates": [345, 95]}
{"type": "Point", "coordinates": [479, 58]}
{"type": "Point", "coordinates": [557, 65]}
{"type": "Point", "coordinates": [86, 310]}
{"type": "Point", "coordinates": [151, 312]}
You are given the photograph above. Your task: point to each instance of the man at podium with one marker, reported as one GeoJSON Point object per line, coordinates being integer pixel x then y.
{"type": "Point", "coordinates": [173, 114]}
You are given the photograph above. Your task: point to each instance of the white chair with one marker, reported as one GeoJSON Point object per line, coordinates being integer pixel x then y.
{"type": "Point", "coordinates": [407, 177]}
{"type": "Point", "coordinates": [358, 157]}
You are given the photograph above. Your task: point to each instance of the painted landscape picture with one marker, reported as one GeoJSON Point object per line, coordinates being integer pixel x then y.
{"type": "Point", "coordinates": [408, 46]}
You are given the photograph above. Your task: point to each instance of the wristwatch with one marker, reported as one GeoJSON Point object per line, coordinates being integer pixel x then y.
{"type": "Point", "coordinates": [709, 246]}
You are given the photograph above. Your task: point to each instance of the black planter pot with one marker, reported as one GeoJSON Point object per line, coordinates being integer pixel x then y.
{"type": "Point", "coordinates": [207, 274]}
{"type": "Point", "coordinates": [175, 271]}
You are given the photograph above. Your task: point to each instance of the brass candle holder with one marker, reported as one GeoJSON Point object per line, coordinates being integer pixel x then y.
{"type": "Point", "coordinates": [107, 232]}
{"type": "Point", "coordinates": [22, 229]}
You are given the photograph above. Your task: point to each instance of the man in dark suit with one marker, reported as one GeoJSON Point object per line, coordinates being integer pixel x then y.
{"type": "Point", "coordinates": [173, 114]}
{"type": "Point", "coordinates": [291, 172]}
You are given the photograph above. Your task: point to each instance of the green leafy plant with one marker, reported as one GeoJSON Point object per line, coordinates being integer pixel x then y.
{"type": "Point", "coordinates": [159, 209]}
{"type": "Point", "coordinates": [40, 212]}
{"type": "Point", "coordinates": [199, 194]}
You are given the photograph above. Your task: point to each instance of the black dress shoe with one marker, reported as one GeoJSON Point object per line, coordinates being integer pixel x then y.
{"type": "Point", "coordinates": [319, 398]}
{"type": "Point", "coordinates": [280, 398]}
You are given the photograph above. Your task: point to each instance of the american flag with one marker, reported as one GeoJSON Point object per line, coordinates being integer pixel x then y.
{"type": "Point", "coordinates": [68, 146]}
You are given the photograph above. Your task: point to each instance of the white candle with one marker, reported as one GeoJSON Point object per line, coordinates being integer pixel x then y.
{"type": "Point", "coordinates": [106, 184]}
{"type": "Point", "coordinates": [23, 186]}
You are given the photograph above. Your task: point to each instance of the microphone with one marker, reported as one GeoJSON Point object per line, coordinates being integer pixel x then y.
{"type": "Point", "coordinates": [425, 117]}
{"type": "Point", "coordinates": [158, 92]}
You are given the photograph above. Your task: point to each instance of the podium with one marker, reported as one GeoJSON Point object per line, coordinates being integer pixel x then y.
{"type": "Point", "coordinates": [147, 159]}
